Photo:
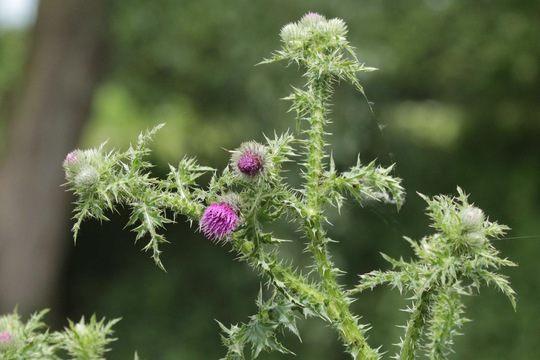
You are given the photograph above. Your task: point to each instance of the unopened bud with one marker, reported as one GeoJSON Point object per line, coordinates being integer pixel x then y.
{"type": "Point", "coordinates": [474, 238]}
{"type": "Point", "coordinates": [87, 177]}
{"type": "Point", "coordinates": [81, 167]}
{"type": "Point", "coordinates": [472, 219]}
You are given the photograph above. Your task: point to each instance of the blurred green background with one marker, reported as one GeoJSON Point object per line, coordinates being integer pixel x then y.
{"type": "Point", "coordinates": [456, 102]}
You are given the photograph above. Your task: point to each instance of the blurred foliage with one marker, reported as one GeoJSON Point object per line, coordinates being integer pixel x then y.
{"type": "Point", "coordinates": [455, 103]}
{"type": "Point", "coordinates": [14, 46]}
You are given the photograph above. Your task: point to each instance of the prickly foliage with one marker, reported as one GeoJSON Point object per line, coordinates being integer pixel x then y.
{"type": "Point", "coordinates": [252, 191]}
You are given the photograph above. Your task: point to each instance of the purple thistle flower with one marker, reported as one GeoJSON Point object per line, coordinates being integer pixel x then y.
{"type": "Point", "coordinates": [219, 221]}
{"type": "Point", "coordinates": [249, 164]}
{"type": "Point", "coordinates": [249, 160]}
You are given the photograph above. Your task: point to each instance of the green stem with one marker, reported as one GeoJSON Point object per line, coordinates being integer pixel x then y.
{"type": "Point", "coordinates": [315, 148]}
{"type": "Point", "coordinates": [293, 286]}
{"type": "Point", "coordinates": [415, 326]}
{"type": "Point", "coordinates": [336, 303]}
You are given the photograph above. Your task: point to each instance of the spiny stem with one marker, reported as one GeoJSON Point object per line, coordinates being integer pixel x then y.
{"type": "Point", "coordinates": [319, 89]}
{"type": "Point", "coordinates": [414, 326]}
{"type": "Point", "coordinates": [337, 306]}
{"type": "Point", "coordinates": [315, 148]}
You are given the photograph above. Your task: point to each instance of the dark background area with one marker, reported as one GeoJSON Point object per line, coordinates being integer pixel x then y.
{"type": "Point", "coordinates": [456, 103]}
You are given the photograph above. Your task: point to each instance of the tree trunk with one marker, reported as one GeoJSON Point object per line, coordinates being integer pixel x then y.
{"type": "Point", "coordinates": [61, 75]}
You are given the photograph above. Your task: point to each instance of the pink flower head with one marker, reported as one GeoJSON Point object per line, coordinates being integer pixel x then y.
{"type": "Point", "coordinates": [71, 157]}
{"type": "Point", "coordinates": [313, 17]}
{"type": "Point", "coordinates": [5, 337]}
{"type": "Point", "coordinates": [218, 221]}
{"type": "Point", "coordinates": [312, 14]}
{"type": "Point", "coordinates": [7, 342]}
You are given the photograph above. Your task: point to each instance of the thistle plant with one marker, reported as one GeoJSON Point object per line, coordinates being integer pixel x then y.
{"type": "Point", "coordinates": [32, 339]}
{"type": "Point", "coordinates": [239, 204]}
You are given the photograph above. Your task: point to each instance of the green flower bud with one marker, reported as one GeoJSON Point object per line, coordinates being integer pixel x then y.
{"type": "Point", "coordinates": [474, 238]}
{"type": "Point", "coordinates": [81, 167]}
{"type": "Point", "coordinates": [87, 177]}
{"type": "Point", "coordinates": [472, 222]}
{"type": "Point", "coordinates": [472, 219]}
